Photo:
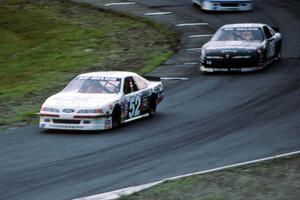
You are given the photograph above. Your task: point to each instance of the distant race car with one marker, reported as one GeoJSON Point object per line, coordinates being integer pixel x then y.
{"type": "Point", "coordinates": [101, 100]}
{"type": "Point", "coordinates": [224, 5]}
{"type": "Point", "coordinates": [241, 47]}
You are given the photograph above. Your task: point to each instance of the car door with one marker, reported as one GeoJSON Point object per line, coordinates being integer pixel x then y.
{"type": "Point", "coordinates": [146, 92]}
{"type": "Point", "coordinates": [270, 42]}
{"type": "Point", "coordinates": [132, 98]}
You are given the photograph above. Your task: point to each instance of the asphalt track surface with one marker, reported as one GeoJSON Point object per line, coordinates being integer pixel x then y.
{"type": "Point", "coordinates": [205, 122]}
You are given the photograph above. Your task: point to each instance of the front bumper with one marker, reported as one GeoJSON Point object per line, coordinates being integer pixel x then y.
{"type": "Point", "coordinates": [75, 124]}
{"type": "Point", "coordinates": [237, 62]}
{"type": "Point", "coordinates": [230, 69]}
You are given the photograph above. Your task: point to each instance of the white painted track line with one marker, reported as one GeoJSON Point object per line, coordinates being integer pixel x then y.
{"type": "Point", "coordinates": [192, 24]}
{"type": "Point", "coordinates": [236, 165]}
{"type": "Point", "coordinates": [194, 49]}
{"type": "Point", "coordinates": [191, 63]}
{"type": "Point", "coordinates": [130, 190]}
{"type": "Point", "coordinates": [198, 36]}
{"type": "Point", "coordinates": [118, 193]}
{"type": "Point", "coordinates": [120, 4]}
{"type": "Point", "coordinates": [157, 13]}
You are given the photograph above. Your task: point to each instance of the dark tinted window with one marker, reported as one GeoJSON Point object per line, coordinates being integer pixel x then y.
{"type": "Point", "coordinates": [267, 32]}
{"type": "Point", "coordinates": [129, 85]}
{"type": "Point", "coordinates": [239, 33]}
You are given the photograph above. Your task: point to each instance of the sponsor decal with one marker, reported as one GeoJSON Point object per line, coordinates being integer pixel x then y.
{"type": "Point", "coordinates": [68, 110]}
{"type": "Point", "coordinates": [65, 126]}
{"type": "Point", "coordinates": [145, 93]}
{"type": "Point", "coordinates": [229, 48]}
{"type": "Point", "coordinates": [220, 69]}
{"type": "Point", "coordinates": [229, 51]}
{"type": "Point", "coordinates": [99, 78]}
{"type": "Point", "coordinates": [242, 28]}
{"type": "Point", "coordinates": [157, 89]}
{"type": "Point", "coordinates": [107, 123]}
{"type": "Point", "coordinates": [233, 69]}
{"type": "Point", "coordinates": [241, 57]}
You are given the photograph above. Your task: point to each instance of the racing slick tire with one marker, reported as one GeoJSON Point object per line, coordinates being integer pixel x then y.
{"type": "Point", "coordinates": [116, 117]}
{"type": "Point", "coordinates": [152, 105]}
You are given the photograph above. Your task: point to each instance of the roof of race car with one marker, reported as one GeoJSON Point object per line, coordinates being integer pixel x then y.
{"type": "Point", "coordinates": [115, 74]}
{"type": "Point", "coordinates": [254, 25]}
{"type": "Point", "coordinates": [229, 0]}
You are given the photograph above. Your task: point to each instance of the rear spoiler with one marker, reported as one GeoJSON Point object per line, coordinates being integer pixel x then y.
{"type": "Point", "coordinates": [155, 78]}
{"type": "Point", "coordinates": [152, 78]}
{"type": "Point", "coordinates": [276, 29]}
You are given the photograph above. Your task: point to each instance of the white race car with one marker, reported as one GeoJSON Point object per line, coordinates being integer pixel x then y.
{"type": "Point", "coordinates": [224, 5]}
{"type": "Point", "coordinates": [101, 100]}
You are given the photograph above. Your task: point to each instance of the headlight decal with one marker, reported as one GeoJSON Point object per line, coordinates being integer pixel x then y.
{"type": "Point", "coordinates": [49, 109]}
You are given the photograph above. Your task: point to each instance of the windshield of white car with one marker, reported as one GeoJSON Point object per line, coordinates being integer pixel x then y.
{"type": "Point", "coordinates": [94, 85]}
{"type": "Point", "coordinates": [239, 34]}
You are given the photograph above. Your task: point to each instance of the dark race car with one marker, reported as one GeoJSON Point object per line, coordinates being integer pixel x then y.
{"type": "Point", "coordinates": [241, 47]}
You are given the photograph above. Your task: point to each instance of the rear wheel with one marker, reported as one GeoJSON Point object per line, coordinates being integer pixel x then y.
{"type": "Point", "coordinates": [152, 105]}
{"type": "Point", "coordinates": [116, 117]}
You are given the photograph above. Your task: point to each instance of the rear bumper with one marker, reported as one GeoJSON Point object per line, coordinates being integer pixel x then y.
{"type": "Point", "coordinates": [227, 6]}
{"type": "Point", "coordinates": [160, 97]}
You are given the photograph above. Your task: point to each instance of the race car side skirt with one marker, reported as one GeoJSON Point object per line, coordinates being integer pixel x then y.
{"type": "Point", "coordinates": [135, 118]}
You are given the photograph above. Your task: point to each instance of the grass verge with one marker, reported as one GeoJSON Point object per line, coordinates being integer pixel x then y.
{"type": "Point", "coordinates": [271, 180]}
{"type": "Point", "coordinates": [44, 44]}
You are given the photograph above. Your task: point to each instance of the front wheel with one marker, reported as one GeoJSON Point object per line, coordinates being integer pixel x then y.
{"type": "Point", "coordinates": [116, 117]}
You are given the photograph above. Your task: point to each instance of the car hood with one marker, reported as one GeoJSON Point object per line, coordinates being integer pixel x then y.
{"type": "Point", "coordinates": [80, 100]}
{"type": "Point", "coordinates": [231, 45]}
